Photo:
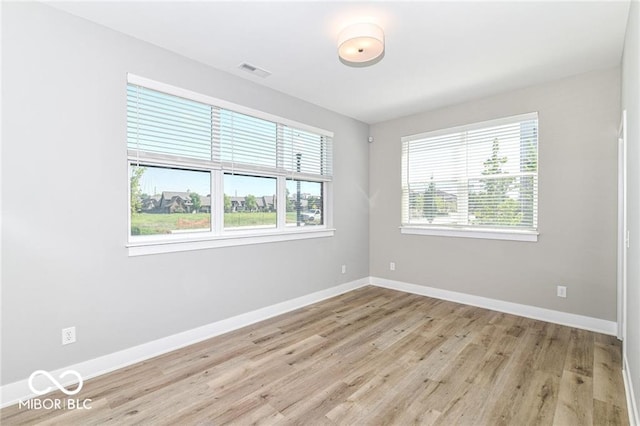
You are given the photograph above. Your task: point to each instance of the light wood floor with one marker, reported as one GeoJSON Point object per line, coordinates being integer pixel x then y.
{"type": "Point", "coordinates": [369, 357]}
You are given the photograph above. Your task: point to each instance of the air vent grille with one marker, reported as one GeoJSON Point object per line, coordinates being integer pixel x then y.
{"type": "Point", "coordinates": [252, 69]}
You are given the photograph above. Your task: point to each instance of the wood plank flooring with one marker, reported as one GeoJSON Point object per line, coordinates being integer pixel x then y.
{"type": "Point", "coordinates": [369, 357]}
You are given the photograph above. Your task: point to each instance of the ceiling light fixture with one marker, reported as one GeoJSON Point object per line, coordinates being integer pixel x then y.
{"type": "Point", "coordinates": [361, 45]}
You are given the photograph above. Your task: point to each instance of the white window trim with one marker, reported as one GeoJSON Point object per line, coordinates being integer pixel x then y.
{"type": "Point", "coordinates": [141, 248]}
{"type": "Point", "coordinates": [218, 236]}
{"type": "Point", "coordinates": [487, 234]}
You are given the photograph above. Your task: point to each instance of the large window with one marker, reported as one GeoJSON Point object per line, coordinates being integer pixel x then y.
{"type": "Point", "coordinates": [479, 180]}
{"type": "Point", "coordinates": [201, 169]}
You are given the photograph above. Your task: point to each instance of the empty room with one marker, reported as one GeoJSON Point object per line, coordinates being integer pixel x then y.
{"type": "Point", "coordinates": [318, 213]}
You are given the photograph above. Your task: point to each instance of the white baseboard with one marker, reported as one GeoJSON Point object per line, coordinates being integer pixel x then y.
{"type": "Point", "coordinates": [548, 315]}
{"type": "Point", "coordinates": [632, 407]}
{"type": "Point", "coordinates": [19, 391]}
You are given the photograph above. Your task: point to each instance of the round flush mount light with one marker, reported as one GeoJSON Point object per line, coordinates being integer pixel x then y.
{"type": "Point", "coordinates": [361, 45]}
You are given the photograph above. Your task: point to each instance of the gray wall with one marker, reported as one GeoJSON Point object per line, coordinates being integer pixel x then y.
{"type": "Point", "coordinates": [631, 102]}
{"type": "Point", "coordinates": [63, 133]}
{"type": "Point", "coordinates": [578, 120]}
{"type": "Point", "coordinates": [64, 189]}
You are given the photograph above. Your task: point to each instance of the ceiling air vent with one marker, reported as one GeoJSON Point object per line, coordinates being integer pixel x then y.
{"type": "Point", "coordinates": [252, 69]}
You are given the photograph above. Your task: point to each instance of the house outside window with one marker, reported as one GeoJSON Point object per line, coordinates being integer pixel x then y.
{"type": "Point", "coordinates": [207, 173]}
{"type": "Point", "coordinates": [478, 180]}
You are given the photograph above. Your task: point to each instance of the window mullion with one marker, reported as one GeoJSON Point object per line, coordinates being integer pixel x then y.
{"type": "Point", "coordinates": [327, 203]}
{"type": "Point", "coordinates": [281, 206]}
{"type": "Point", "coordinates": [279, 147]}
{"type": "Point", "coordinates": [405, 184]}
{"type": "Point", "coordinates": [217, 194]}
{"type": "Point", "coordinates": [463, 202]}
{"type": "Point", "coordinates": [215, 136]}
{"type": "Point", "coordinates": [281, 190]}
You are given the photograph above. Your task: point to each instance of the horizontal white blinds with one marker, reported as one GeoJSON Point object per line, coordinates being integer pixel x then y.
{"type": "Point", "coordinates": [166, 124]}
{"type": "Point", "coordinates": [161, 125]}
{"type": "Point", "coordinates": [306, 153]}
{"type": "Point", "coordinates": [482, 175]}
{"type": "Point", "coordinates": [246, 140]}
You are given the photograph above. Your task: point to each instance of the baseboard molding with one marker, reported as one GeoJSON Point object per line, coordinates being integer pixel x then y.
{"type": "Point", "coordinates": [548, 315]}
{"type": "Point", "coordinates": [632, 407]}
{"type": "Point", "coordinates": [19, 391]}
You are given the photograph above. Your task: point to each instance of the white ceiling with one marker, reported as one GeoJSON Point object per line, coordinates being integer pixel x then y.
{"type": "Point", "coordinates": [437, 53]}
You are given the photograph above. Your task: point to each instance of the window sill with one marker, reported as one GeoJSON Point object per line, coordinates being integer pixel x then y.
{"type": "Point", "coordinates": [488, 234]}
{"type": "Point", "coordinates": [141, 248]}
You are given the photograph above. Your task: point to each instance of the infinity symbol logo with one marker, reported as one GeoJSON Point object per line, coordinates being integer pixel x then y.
{"type": "Point", "coordinates": [55, 382]}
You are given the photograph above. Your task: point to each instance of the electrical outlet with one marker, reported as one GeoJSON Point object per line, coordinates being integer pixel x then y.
{"type": "Point", "coordinates": [68, 335]}
{"type": "Point", "coordinates": [562, 291]}
{"type": "Point", "coordinates": [344, 269]}
{"type": "Point", "coordinates": [392, 266]}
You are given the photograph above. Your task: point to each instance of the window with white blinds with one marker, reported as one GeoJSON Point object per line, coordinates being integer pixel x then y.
{"type": "Point", "coordinates": [305, 153]}
{"type": "Point", "coordinates": [161, 125]}
{"type": "Point", "coordinates": [479, 177]}
{"type": "Point", "coordinates": [246, 141]}
{"type": "Point", "coordinates": [175, 138]}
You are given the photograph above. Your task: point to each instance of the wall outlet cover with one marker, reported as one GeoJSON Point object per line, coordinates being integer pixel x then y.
{"type": "Point", "coordinates": [68, 335]}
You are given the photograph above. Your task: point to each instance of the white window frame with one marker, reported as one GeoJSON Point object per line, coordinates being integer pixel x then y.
{"type": "Point", "coordinates": [470, 231]}
{"type": "Point", "coordinates": [218, 236]}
